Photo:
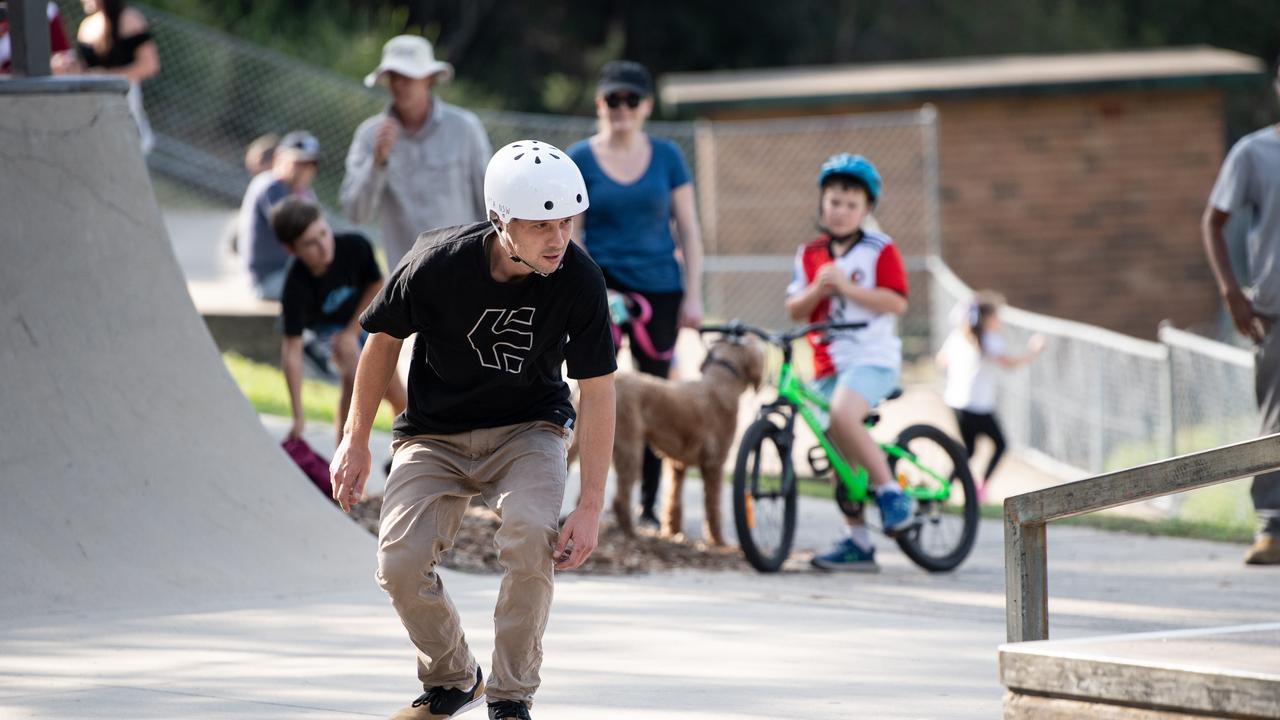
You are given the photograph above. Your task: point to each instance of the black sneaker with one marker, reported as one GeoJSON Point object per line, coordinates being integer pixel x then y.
{"type": "Point", "coordinates": [439, 703]}
{"type": "Point", "coordinates": [508, 710]}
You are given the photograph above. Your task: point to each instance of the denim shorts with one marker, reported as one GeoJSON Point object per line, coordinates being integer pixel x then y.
{"type": "Point", "coordinates": [872, 383]}
{"type": "Point", "coordinates": [324, 334]}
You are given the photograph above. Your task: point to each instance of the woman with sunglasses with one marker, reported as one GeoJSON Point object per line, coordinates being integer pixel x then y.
{"type": "Point", "coordinates": [638, 184]}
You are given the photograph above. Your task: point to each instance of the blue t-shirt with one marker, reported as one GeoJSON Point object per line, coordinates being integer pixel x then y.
{"type": "Point", "coordinates": [627, 228]}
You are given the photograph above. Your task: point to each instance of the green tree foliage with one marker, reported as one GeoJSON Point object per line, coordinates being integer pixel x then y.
{"type": "Point", "coordinates": [544, 55]}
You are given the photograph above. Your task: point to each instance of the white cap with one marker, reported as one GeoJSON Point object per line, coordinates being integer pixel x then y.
{"type": "Point", "coordinates": [531, 180]}
{"type": "Point", "coordinates": [411, 56]}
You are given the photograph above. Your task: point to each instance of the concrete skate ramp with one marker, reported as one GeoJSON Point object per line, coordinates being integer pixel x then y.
{"type": "Point", "coordinates": [133, 471]}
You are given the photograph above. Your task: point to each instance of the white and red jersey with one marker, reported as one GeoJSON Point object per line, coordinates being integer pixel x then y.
{"type": "Point", "coordinates": [871, 262]}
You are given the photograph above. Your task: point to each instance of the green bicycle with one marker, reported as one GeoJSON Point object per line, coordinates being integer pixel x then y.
{"type": "Point", "coordinates": [932, 469]}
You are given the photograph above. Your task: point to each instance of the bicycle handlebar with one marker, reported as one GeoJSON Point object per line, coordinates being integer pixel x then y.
{"type": "Point", "coordinates": [739, 328]}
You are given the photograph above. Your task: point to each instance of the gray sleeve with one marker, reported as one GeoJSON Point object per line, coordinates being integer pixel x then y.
{"type": "Point", "coordinates": [481, 151]}
{"type": "Point", "coordinates": [364, 181]}
{"type": "Point", "coordinates": [1231, 191]}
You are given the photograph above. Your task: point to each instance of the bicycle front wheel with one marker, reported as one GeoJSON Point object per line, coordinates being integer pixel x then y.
{"type": "Point", "coordinates": [945, 529]}
{"type": "Point", "coordinates": [764, 497]}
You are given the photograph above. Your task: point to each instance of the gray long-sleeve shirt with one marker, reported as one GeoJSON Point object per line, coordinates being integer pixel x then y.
{"type": "Point", "coordinates": [433, 178]}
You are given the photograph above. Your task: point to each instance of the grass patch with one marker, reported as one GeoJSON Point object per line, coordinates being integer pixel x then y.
{"type": "Point", "coordinates": [264, 386]}
{"type": "Point", "coordinates": [1231, 532]}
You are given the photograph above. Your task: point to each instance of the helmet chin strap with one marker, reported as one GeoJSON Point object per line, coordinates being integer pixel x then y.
{"type": "Point", "coordinates": [511, 253]}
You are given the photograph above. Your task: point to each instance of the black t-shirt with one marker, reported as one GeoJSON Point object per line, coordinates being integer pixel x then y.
{"type": "Point", "coordinates": [488, 353]}
{"type": "Point", "coordinates": [311, 301]}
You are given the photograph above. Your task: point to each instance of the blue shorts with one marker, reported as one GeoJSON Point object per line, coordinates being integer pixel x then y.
{"type": "Point", "coordinates": [872, 383]}
{"type": "Point", "coordinates": [324, 334]}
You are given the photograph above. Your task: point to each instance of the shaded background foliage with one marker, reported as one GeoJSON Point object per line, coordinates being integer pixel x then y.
{"type": "Point", "coordinates": [543, 56]}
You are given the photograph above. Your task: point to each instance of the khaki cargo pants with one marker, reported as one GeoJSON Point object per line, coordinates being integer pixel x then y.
{"type": "Point", "coordinates": [520, 472]}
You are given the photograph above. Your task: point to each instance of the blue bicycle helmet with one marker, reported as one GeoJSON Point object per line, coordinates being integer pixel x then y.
{"type": "Point", "coordinates": [856, 167]}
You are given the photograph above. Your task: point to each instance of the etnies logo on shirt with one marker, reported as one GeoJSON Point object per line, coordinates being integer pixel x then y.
{"type": "Point", "coordinates": [502, 338]}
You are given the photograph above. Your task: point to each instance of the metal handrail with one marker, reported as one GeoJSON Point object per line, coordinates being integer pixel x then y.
{"type": "Point", "coordinates": [1026, 575]}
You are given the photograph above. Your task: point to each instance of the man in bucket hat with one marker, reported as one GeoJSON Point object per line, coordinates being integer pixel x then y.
{"type": "Point", "coordinates": [420, 163]}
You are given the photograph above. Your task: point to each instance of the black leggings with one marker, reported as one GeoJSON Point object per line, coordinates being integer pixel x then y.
{"type": "Point", "coordinates": [974, 424]}
{"type": "Point", "coordinates": [662, 328]}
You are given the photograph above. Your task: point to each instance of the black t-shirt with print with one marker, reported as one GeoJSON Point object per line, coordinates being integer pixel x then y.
{"type": "Point", "coordinates": [488, 353]}
{"type": "Point", "coordinates": [332, 298]}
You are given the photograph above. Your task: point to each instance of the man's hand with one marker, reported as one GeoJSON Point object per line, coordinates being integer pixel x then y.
{"type": "Point", "coordinates": [1249, 323]}
{"type": "Point", "coordinates": [578, 538]}
{"type": "Point", "coordinates": [691, 312]}
{"type": "Point", "coordinates": [1036, 344]}
{"type": "Point", "coordinates": [348, 472]}
{"type": "Point", "coordinates": [384, 139]}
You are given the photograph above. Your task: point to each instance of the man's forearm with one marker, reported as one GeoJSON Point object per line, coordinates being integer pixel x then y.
{"type": "Point", "coordinates": [1215, 249]}
{"type": "Point", "coordinates": [362, 185]}
{"type": "Point", "coordinates": [595, 428]}
{"type": "Point", "coordinates": [880, 300]}
{"type": "Point", "coordinates": [801, 306]}
{"type": "Point", "coordinates": [373, 375]}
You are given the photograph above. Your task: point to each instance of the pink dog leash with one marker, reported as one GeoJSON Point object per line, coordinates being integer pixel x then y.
{"type": "Point", "coordinates": [638, 321]}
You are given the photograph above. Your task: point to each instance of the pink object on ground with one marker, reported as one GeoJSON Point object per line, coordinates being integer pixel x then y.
{"type": "Point", "coordinates": [310, 462]}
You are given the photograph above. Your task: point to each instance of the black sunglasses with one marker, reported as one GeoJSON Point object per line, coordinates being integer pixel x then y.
{"type": "Point", "coordinates": [615, 100]}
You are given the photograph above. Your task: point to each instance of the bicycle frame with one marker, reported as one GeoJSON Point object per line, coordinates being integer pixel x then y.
{"type": "Point", "coordinates": [798, 395]}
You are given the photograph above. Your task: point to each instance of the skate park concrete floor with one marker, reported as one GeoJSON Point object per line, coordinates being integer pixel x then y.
{"type": "Point", "coordinates": [162, 559]}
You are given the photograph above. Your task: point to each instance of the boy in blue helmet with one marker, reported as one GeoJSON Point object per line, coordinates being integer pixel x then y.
{"type": "Point", "coordinates": [854, 274]}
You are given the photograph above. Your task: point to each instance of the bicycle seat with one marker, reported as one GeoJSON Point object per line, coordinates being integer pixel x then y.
{"type": "Point", "coordinates": [873, 417]}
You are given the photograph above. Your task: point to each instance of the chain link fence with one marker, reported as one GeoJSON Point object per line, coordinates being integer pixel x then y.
{"type": "Point", "coordinates": [1097, 401]}
{"type": "Point", "coordinates": [755, 181]}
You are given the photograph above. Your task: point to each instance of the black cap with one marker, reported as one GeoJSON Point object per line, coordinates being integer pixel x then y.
{"type": "Point", "coordinates": [625, 75]}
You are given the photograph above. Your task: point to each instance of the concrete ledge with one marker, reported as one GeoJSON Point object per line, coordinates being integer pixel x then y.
{"type": "Point", "coordinates": [1035, 707]}
{"type": "Point", "coordinates": [1225, 672]}
{"type": "Point", "coordinates": [63, 84]}
{"type": "Point", "coordinates": [237, 320]}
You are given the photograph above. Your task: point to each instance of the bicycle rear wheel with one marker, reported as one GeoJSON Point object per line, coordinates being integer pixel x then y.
{"type": "Point", "coordinates": [945, 530]}
{"type": "Point", "coordinates": [764, 497]}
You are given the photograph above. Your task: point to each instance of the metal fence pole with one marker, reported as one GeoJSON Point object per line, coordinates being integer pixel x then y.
{"type": "Point", "coordinates": [29, 34]}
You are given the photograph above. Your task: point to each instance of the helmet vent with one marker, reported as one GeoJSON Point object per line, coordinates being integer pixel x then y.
{"type": "Point", "coordinates": [548, 204]}
{"type": "Point", "coordinates": [537, 160]}
{"type": "Point", "coordinates": [579, 197]}
{"type": "Point", "coordinates": [519, 156]}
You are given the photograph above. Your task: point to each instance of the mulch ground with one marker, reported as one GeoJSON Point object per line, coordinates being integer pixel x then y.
{"type": "Point", "coordinates": [617, 553]}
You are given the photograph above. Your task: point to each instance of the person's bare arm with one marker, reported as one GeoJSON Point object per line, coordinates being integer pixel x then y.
{"type": "Point", "coordinates": [350, 467]}
{"type": "Point", "coordinates": [146, 61]}
{"type": "Point", "coordinates": [595, 438]}
{"type": "Point", "coordinates": [1212, 226]}
{"type": "Point", "coordinates": [366, 176]}
{"type": "Point", "coordinates": [880, 300]}
{"type": "Point", "coordinates": [800, 306]}
{"type": "Point", "coordinates": [291, 363]}
{"type": "Point", "coordinates": [689, 238]}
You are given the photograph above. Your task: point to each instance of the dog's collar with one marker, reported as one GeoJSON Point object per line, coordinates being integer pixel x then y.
{"type": "Point", "coordinates": [712, 360]}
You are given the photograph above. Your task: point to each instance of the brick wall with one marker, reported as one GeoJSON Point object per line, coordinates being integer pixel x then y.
{"type": "Point", "coordinates": [1080, 205]}
{"type": "Point", "coordinates": [1084, 206]}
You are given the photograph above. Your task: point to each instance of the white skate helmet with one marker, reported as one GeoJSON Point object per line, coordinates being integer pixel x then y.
{"type": "Point", "coordinates": [531, 180]}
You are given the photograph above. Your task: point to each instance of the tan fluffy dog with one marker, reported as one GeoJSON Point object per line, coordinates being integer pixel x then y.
{"type": "Point", "coordinates": [690, 423]}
